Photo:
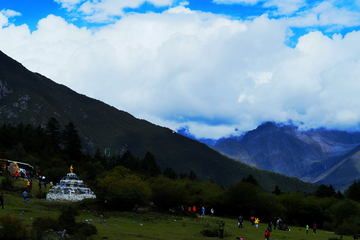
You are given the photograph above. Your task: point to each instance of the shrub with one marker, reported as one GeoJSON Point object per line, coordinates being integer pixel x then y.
{"type": "Point", "coordinates": [347, 228]}
{"type": "Point", "coordinates": [86, 229]}
{"type": "Point", "coordinates": [7, 183]}
{"type": "Point", "coordinates": [12, 228]}
{"type": "Point", "coordinates": [214, 232]}
{"type": "Point", "coordinates": [67, 218]}
{"type": "Point", "coordinates": [40, 195]}
{"type": "Point", "coordinates": [328, 226]}
{"type": "Point", "coordinates": [41, 225]}
{"type": "Point", "coordinates": [123, 190]}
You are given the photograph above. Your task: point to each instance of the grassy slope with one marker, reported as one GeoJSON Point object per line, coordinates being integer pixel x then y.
{"type": "Point", "coordinates": [125, 225]}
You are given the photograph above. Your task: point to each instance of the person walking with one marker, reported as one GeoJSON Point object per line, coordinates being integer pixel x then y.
{"type": "Point", "coordinates": [221, 229]}
{"type": "Point", "coordinates": [307, 229]}
{"type": "Point", "coordinates": [39, 184]}
{"type": "Point", "coordinates": [212, 212]}
{"type": "Point", "coordinates": [25, 196]}
{"type": "Point", "coordinates": [267, 234]}
{"type": "Point", "coordinates": [203, 211]}
{"type": "Point", "coordinates": [314, 228]}
{"type": "Point", "coordinates": [240, 221]}
{"type": "Point", "coordinates": [274, 222]}
{"type": "Point", "coordinates": [2, 200]}
{"type": "Point", "coordinates": [257, 221]}
{"type": "Point", "coordinates": [270, 226]}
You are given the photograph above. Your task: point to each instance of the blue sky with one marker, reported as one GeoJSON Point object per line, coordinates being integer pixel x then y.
{"type": "Point", "coordinates": [213, 66]}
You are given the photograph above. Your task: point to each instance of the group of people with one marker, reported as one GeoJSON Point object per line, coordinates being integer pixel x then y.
{"type": "Point", "coordinates": [43, 180]}
{"type": "Point", "coordinates": [193, 209]}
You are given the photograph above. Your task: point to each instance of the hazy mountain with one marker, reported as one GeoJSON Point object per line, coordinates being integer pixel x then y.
{"type": "Point", "coordinates": [32, 98]}
{"type": "Point", "coordinates": [317, 156]}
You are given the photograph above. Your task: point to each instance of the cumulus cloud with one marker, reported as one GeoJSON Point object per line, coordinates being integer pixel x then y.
{"type": "Point", "coordinates": [284, 7]}
{"type": "Point", "coordinates": [201, 70]}
{"type": "Point", "coordinates": [69, 4]}
{"type": "Point", "coordinates": [5, 14]}
{"type": "Point", "coordinates": [10, 13]}
{"type": "Point", "coordinates": [236, 1]}
{"type": "Point", "coordinates": [3, 20]}
{"type": "Point", "coordinates": [104, 11]}
{"type": "Point", "coordinates": [325, 14]}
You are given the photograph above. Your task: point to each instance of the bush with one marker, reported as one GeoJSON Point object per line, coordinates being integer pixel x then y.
{"type": "Point", "coordinates": [7, 183]}
{"type": "Point", "coordinates": [67, 218]}
{"type": "Point", "coordinates": [41, 225]}
{"type": "Point", "coordinates": [328, 226]}
{"type": "Point", "coordinates": [122, 189]}
{"type": "Point", "coordinates": [40, 195]}
{"type": "Point", "coordinates": [86, 229]}
{"type": "Point", "coordinates": [214, 232]}
{"type": "Point", "coordinates": [347, 228]}
{"type": "Point", "coordinates": [12, 228]}
{"type": "Point", "coordinates": [88, 204]}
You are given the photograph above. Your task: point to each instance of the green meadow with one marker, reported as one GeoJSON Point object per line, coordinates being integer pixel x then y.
{"type": "Point", "coordinates": [143, 224]}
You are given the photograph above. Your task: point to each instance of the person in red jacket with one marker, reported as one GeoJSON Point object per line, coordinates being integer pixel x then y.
{"type": "Point", "coordinates": [267, 234]}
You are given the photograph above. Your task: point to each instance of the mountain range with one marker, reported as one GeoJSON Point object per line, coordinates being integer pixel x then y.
{"type": "Point", "coordinates": [32, 98]}
{"type": "Point", "coordinates": [318, 156]}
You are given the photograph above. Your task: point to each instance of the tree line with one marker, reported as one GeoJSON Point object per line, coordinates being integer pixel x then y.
{"type": "Point", "coordinates": [125, 181]}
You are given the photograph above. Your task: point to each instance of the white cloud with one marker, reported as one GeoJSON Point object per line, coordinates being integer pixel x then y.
{"type": "Point", "coordinates": [236, 1]}
{"type": "Point", "coordinates": [10, 13]}
{"type": "Point", "coordinates": [3, 20]}
{"type": "Point", "coordinates": [202, 70]}
{"type": "Point", "coordinates": [325, 14]}
{"type": "Point", "coordinates": [69, 4]}
{"type": "Point", "coordinates": [284, 7]}
{"type": "Point", "coordinates": [109, 10]}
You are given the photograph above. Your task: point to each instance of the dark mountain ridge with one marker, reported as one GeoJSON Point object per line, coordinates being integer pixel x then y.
{"type": "Point", "coordinates": [315, 156]}
{"type": "Point", "coordinates": [32, 98]}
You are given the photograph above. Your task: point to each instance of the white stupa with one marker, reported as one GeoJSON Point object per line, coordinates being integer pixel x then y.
{"type": "Point", "coordinates": [71, 189]}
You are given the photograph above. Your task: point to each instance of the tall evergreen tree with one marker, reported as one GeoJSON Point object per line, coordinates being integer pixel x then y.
{"type": "Point", "coordinates": [353, 191]}
{"type": "Point", "coordinates": [277, 190]}
{"type": "Point", "coordinates": [149, 166]}
{"type": "Point", "coordinates": [251, 179]}
{"type": "Point", "coordinates": [53, 134]}
{"type": "Point", "coordinates": [72, 142]}
{"type": "Point", "coordinates": [193, 176]}
{"type": "Point", "coordinates": [170, 173]}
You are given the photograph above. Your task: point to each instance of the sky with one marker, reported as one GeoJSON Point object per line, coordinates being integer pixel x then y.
{"type": "Point", "coordinates": [215, 67]}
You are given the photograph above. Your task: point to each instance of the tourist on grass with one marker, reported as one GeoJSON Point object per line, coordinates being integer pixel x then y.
{"type": "Point", "coordinates": [267, 234]}
{"type": "Point", "coordinates": [257, 221]}
{"type": "Point", "coordinates": [314, 228]}
{"type": "Point", "coordinates": [221, 229]}
{"type": "Point", "coordinates": [25, 196]}
{"type": "Point", "coordinates": [252, 220]}
{"type": "Point", "coordinates": [270, 226]}
{"type": "Point", "coordinates": [240, 224]}
{"type": "Point", "coordinates": [212, 212]}
{"type": "Point", "coordinates": [307, 229]}
{"type": "Point", "coordinates": [274, 222]}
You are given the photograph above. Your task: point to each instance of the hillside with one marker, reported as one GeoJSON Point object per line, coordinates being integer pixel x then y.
{"type": "Point", "coordinates": [32, 98]}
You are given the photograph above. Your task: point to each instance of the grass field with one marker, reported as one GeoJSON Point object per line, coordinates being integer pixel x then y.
{"type": "Point", "coordinates": [146, 225]}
